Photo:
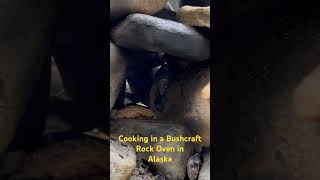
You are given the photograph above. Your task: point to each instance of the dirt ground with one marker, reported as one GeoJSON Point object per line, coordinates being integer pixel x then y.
{"type": "Point", "coordinates": [61, 158]}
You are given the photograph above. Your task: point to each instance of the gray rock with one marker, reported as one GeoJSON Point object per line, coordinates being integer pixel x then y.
{"type": "Point", "coordinates": [142, 172]}
{"type": "Point", "coordinates": [122, 160]}
{"type": "Point", "coordinates": [175, 4]}
{"type": "Point", "coordinates": [172, 170]}
{"type": "Point", "coordinates": [168, 7]}
{"type": "Point", "coordinates": [56, 87]}
{"type": "Point", "coordinates": [205, 169]}
{"type": "Point", "coordinates": [193, 166]}
{"type": "Point", "coordinates": [121, 8]}
{"type": "Point", "coordinates": [144, 32]}
{"type": "Point", "coordinates": [118, 66]}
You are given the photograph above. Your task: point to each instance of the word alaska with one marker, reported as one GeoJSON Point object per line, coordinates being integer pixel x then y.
{"type": "Point", "coordinates": [163, 159]}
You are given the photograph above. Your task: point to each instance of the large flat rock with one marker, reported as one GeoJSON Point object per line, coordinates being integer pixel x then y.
{"type": "Point", "coordinates": [144, 32]}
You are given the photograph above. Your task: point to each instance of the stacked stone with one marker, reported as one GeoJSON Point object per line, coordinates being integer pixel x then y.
{"type": "Point", "coordinates": [162, 52]}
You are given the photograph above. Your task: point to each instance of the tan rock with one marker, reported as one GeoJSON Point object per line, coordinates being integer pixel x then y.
{"type": "Point", "coordinates": [120, 8]}
{"type": "Point", "coordinates": [194, 16]}
{"type": "Point", "coordinates": [122, 160]}
{"type": "Point", "coordinates": [186, 101]}
{"type": "Point", "coordinates": [133, 112]}
{"type": "Point", "coordinates": [118, 67]}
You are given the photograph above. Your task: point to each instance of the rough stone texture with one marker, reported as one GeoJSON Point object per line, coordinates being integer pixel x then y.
{"type": "Point", "coordinates": [143, 172]}
{"type": "Point", "coordinates": [122, 160]}
{"type": "Point", "coordinates": [118, 66]}
{"type": "Point", "coordinates": [133, 112]}
{"type": "Point", "coordinates": [144, 32]}
{"type": "Point", "coordinates": [177, 168]}
{"type": "Point", "coordinates": [193, 166]}
{"type": "Point", "coordinates": [121, 8]}
{"type": "Point", "coordinates": [194, 16]}
{"type": "Point", "coordinates": [174, 170]}
{"type": "Point", "coordinates": [159, 89]}
{"type": "Point", "coordinates": [185, 100]}
{"type": "Point", "coordinates": [205, 169]}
